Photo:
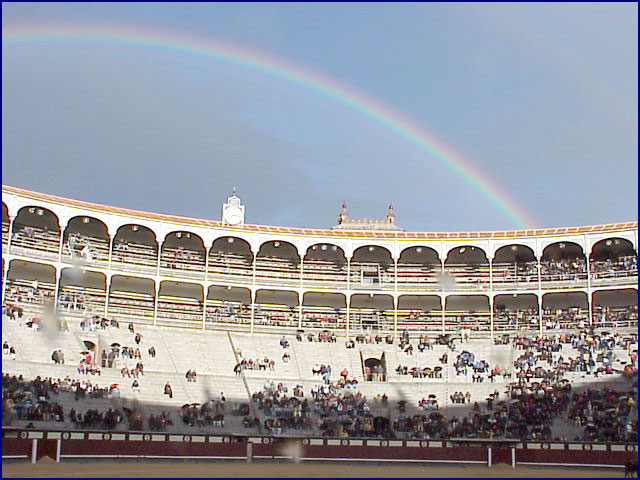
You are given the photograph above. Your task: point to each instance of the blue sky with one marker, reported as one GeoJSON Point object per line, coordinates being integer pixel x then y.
{"type": "Point", "coordinates": [541, 98]}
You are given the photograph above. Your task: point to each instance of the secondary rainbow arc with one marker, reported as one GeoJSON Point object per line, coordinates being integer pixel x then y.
{"type": "Point", "coordinates": [261, 63]}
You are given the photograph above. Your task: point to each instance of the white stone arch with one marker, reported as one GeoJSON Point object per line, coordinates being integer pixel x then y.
{"type": "Point", "coordinates": [20, 201]}
{"type": "Point", "coordinates": [355, 244]}
{"type": "Point", "coordinates": [9, 199]}
{"type": "Point", "coordinates": [407, 246]}
{"type": "Point", "coordinates": [496, 245]}
{"type": "Point", "coordinates": [133, 223]}
{"type": "Point", "coordinates": [170, 231]}
{"type": "Point", "coordinates": [513, 244]}
{"type": "Point", "coordinates": [217, 234]}
{"type": "Point", "coordinates": [91, 217]}
{"type": "Point", "coordinates": [111, 220]}
{"type": "Point", "coordinates": [5, 206]}
{"type": "Point", "coordinates": [434, 245]}
{"type": "Point", "coordinates": [234, 236]}
{"type": "Point", "coordinates": [169, 227]}
{"type": "Point", "coordinates": [253, 239]}
{"type": "Point", "coordinates": [592, 239]}
{"type": "Point", "coordinates": [546, 241]}
{"type": "Point", "coordinates": [454, 245]}
{"type": "Point", "coordinates": [388, 246]}
{"type": "Point", "coordinates": [559, 242]}
{"type": "Point", "coordinates": [307, 242]}
{"type": "Point", "coordinates": [288, 240]}
{"type": "Point", "coordinates": [449, 245]}
{"type": "Point", "coordinates": [158, 229]}
{"type": "Point", "coordinates": [36, 206]}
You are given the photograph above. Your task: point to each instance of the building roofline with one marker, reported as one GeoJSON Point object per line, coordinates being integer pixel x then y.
{"type": "Point", "coordinates": [392, 235]}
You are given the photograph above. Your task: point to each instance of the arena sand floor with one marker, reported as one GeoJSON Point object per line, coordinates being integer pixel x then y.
{"type": "Point", "coordinates": [47, 468]}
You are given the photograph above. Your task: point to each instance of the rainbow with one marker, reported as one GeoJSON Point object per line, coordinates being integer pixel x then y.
{"type": "Point", "coordinates": [19, 35]}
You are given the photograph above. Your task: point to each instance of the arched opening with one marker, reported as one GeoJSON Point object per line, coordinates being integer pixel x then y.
{"type": "Point", "coordinates": [6, 222]}
{"type": "Point", "coordinates": [615, 308]}
{"type": "Point", "coordinates": [514, 267]}
{"type": "Point", "coordinates": [375, 369]}
{"type": "Point", "coordinates": [278, 263]}
{"type": "Point", "coordinates": [563, 263]}
{"type": "Point", "coordinates": [228, 305]}
{"type": "Point", "coordinates": [180, 304]}
{"type": "Point", "coordinates": [230, 258]}
{"type": "Point", "coordinates": [132, 299]}
{"type": "Point", "coordinates": [182, 255]}
{"type": "Point", "coordinates": [563, 311]}
{"type": "Point", "coordinates": [613, 261]}
{"type": "Point", "coordinates": [470, 312]}
{"type": "Point", "coordinates": [466, 269]}
{"type": "Point", "coordinates": [372, 268]}
{"type": "Point", "coordinates": [517, 312]}
{"type": "Point", "coordinates": [419, 268]}
{"type": "Point", "coordinates": [325, 265]}
{"type": "Point", "coordinates": [30, 287]}
{"type": "Point", "coordinates": [419, 313]}
{"type": "Point", "coordinates": [86, 241]}
{"type": "Point", "coordinates": [36, 233]}
{"type": "Point", "coordinates": [135, 249]}
{"type": "Point", "coordinates": [324, 310]}
{"type": "Point", "coordinates": [371, 313]}
{"type": "Point", "coordinates": [276, 308]}
{"type": "Point", "coordinates": [82, 292]}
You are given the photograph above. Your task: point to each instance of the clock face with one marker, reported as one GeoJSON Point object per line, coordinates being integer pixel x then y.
{"type": "Point", "coordinates": [233, 215]}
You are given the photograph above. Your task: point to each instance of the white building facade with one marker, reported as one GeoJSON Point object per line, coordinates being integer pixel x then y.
{"type": "Point", "coordinates": [182, 272]}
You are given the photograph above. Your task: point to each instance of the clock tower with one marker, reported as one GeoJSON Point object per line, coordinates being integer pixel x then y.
{"type": "Point", "coordinates": [233, 211]}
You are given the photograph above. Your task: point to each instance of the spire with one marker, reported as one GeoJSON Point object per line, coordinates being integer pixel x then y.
{"type": "Point", "coordinates": [343, 213]}
{"type": "Point", "coordinates": [390, 216]}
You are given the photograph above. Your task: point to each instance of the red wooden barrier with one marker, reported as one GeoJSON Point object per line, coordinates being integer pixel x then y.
{"type": "Point", "coordinates": [125, 445]}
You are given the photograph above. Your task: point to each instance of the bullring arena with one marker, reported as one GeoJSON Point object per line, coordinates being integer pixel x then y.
{"type": "Point", "coordinates": [248, 350]}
